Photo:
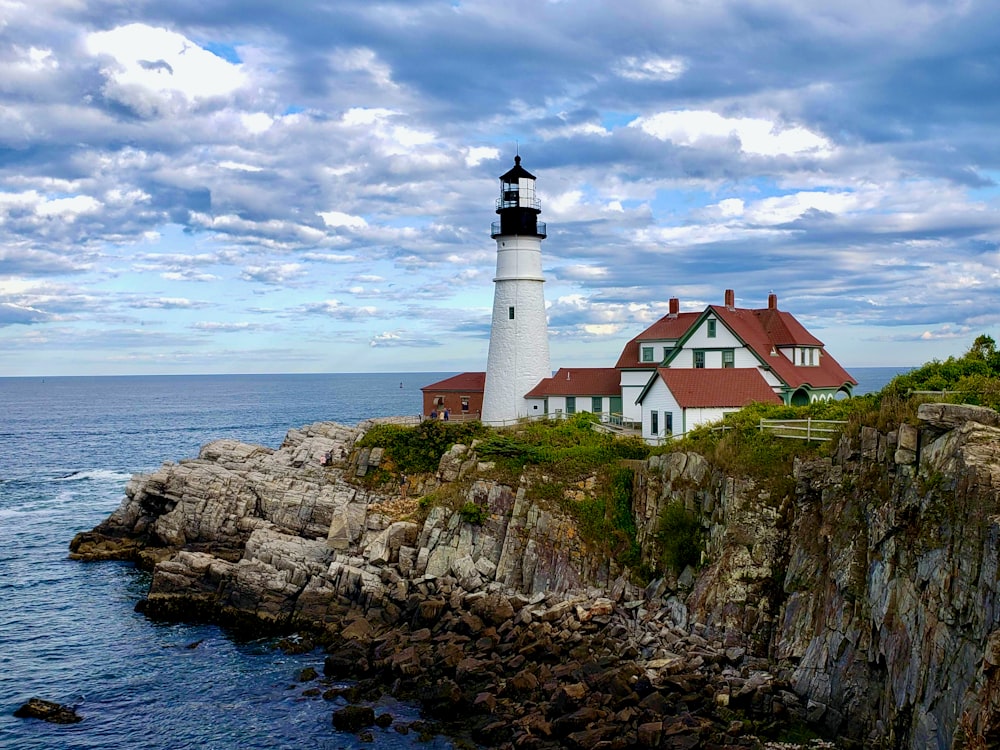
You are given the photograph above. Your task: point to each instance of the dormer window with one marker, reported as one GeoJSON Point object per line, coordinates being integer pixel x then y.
{"type": "Point", "coordinates": [647, 354]}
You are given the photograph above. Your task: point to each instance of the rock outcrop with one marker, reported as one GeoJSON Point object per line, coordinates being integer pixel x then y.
{"type": "Point", "coordinates": [50, 711]}
{"type": "Point", "coordinates": [892, 616]}
{"type": "Point", "coordinates": [859, 596]}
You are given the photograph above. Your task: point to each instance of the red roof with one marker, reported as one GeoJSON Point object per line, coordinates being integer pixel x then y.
{"type": "Point", "coordinates": [669, 327]}
{"type": "Point", "coordinates": [468, 382]}
{"type": "Point", "coordinates": [579, 381]}
{"type": "Point", "coordinates": [765, 330]}
{"type": "Point", "coordinates": [716, 388]}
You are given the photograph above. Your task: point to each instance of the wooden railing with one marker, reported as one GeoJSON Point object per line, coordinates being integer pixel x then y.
{"type": "Point", "coordinates": [803, 429]}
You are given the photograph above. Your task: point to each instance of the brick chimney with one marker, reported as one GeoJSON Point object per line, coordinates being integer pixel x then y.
{"type": "Point", "coordinates": [730, 299]}
{"type": "Point", "coordinates": [675, 307]}
{"type": "Point", "coordinates": [772, 301]}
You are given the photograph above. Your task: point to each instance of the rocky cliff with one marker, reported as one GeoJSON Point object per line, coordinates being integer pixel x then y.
{"type": "Point", "coordinates": [863, 602]}
{"type": "Point", "coordinates": [873, 587]}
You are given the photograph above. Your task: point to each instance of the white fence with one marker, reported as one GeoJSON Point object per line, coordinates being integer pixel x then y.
{"type": "Point", "coordinates": [803, 429]}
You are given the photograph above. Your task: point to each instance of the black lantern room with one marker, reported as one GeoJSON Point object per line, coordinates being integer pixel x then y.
{"type": "Point", "coordinates": [517, 205]}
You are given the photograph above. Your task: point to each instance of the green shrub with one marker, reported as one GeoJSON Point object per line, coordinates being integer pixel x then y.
{"type": "Point", "coordinates": [679, 536]}
{"type": "Point", "coordinates": [606, 519]}
{"type": "Point", "coordinates": [568, 449]}
{"type": "Point", "coordinates": [473, 513]}
{"type": "Point", "coordinates": [416, 450]}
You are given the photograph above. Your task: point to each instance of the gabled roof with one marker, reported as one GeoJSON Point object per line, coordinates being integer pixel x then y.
{"type": "Point", "coordinates": [579, 381]}
{"type": "Point", "coordinates": [470, 382]}
{"type": "Point", "coordinates": [765, 330]}
{"type": "Point", "coordinates": [666, 328]}
{"type": "Point", "coordinates": [716, 388]}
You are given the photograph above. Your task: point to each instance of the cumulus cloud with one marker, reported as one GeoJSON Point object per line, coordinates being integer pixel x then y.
{"type": "Point", "coordinates": [323, 158]}
{"type": "Point", "coordinates": [751, 135]}
{"type": "Point", "coordinates": [156, 72]}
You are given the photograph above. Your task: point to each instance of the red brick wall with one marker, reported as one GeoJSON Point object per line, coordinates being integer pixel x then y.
{"type": "Point", "coordinates": [452, 400]}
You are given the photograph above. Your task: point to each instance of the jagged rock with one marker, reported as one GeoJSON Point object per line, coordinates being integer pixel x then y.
{"type": "Point", "coordinates": [353, 718]}
{"type": "Point", "coordinates": [54, 713]}
{"type": "Point", "coordinates": [869, 590]}
{"type": "Point", "coordinates": [950, 416]}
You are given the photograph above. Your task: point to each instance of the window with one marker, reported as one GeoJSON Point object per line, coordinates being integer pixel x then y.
{"type": "Point", "coordinates": [668, 423]}
{"type": "Point", "coordinates": [654, 423]}
{"type": "Point", "coordinates": [465, 403]}
{"type": "Point", "coordinates": [667, 351]}
{"type": "Point", "coordinates": [571, 404]}
{"type": "Point", "coordinates": [510, 312]}
{"type": "Point", "coordinates": [728, 358]}
{"type": "Point", "coordinates": [699, 359]}
{"type": "Point", "coordinates": [802, 356]}
{"type": "Point", "coordinates": [596, 404]}
{"type": "Point", "coordinates": [711, 329]}
{"type": "Point", "coordinates": [811, 360]}
{"type": "Point", "coordinates": [647, 354]}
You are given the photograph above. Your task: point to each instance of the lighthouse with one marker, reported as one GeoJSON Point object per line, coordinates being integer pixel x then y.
{"type": "Point", "coordinates": [519, 341]}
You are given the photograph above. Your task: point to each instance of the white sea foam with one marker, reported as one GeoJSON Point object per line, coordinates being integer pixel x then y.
{"type": "Point", "coordinates": [96, 475]}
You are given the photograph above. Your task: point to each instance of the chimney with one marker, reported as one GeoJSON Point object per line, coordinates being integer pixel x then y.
{"type": "Point", "coordinates": [675, 307]}
{"type": "Point", "coordinates": [730, 299]}
{"type": "Point", "coordinates": [567, 374]}
{"type": "Point", "coordinates": [772, 301]}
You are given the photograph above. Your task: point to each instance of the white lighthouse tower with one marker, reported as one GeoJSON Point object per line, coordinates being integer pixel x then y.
{"type": "Point", "coordinates": [519, 339]}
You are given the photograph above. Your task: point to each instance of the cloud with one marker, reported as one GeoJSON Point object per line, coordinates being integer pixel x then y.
{"type": "Point", "coordinates": [167, 303]}
{"type": "Point", "coordinates": [402, 339]}
{"type": "Point", "coordinates": [298, 166]}
{"type": "Point", "coordinates": [11, 314]}
{"type": "Point", "coordinates": [274, 273]}
{"type": "Point", "coordinates": [650, 68]}
{"type": "Point", "coordinates": [752, 135]}
{"type": "Point", "coordinates": [334, 308]}
{"type": "Point", "coordinates": [232, 327]}
{"type": "Point", "coordinates": [156, 72]}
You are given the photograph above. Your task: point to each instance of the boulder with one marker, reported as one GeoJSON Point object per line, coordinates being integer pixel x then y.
{"type": "Point", "coordinates": [353, 718]}
{"type": "Point", "coordinates": [54, 713]}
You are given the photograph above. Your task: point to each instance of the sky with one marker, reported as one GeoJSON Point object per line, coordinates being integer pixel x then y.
{"type": "Point", "coordinates": [306, 186]}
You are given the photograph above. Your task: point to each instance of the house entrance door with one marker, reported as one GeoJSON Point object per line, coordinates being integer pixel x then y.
{"type": "Point", "coordinates": [616, 409]}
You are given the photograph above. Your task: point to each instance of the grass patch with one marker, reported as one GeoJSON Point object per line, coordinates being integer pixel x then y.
{"type": "Point", "coordinates": [565, 449]}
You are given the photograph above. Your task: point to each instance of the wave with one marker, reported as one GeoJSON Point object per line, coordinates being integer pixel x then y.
{"type": "Point", "coordinates": [96, 475]}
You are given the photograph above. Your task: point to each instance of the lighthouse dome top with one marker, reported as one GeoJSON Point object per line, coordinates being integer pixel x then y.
{"type": "Point", "coordinates": [516, 172]}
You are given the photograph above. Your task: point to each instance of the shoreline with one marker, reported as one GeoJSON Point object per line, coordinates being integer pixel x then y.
{"type": "Point", "coordinates": [576, 664]}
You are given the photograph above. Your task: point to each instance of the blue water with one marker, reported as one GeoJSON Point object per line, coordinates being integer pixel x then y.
{"type": "Point", "coordinates": [872, 379]}
{"type": "Point", "coordinates": [68, 631]}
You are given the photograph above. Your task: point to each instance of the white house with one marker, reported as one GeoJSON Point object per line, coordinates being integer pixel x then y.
{"type": "Point", "coordinates": [576, 389]}
{"type": "Point", "coordinates": [726, 358]}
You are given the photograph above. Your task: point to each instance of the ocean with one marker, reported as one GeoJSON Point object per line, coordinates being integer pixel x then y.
{"type": "Point", "coordinates": [68, 630]}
